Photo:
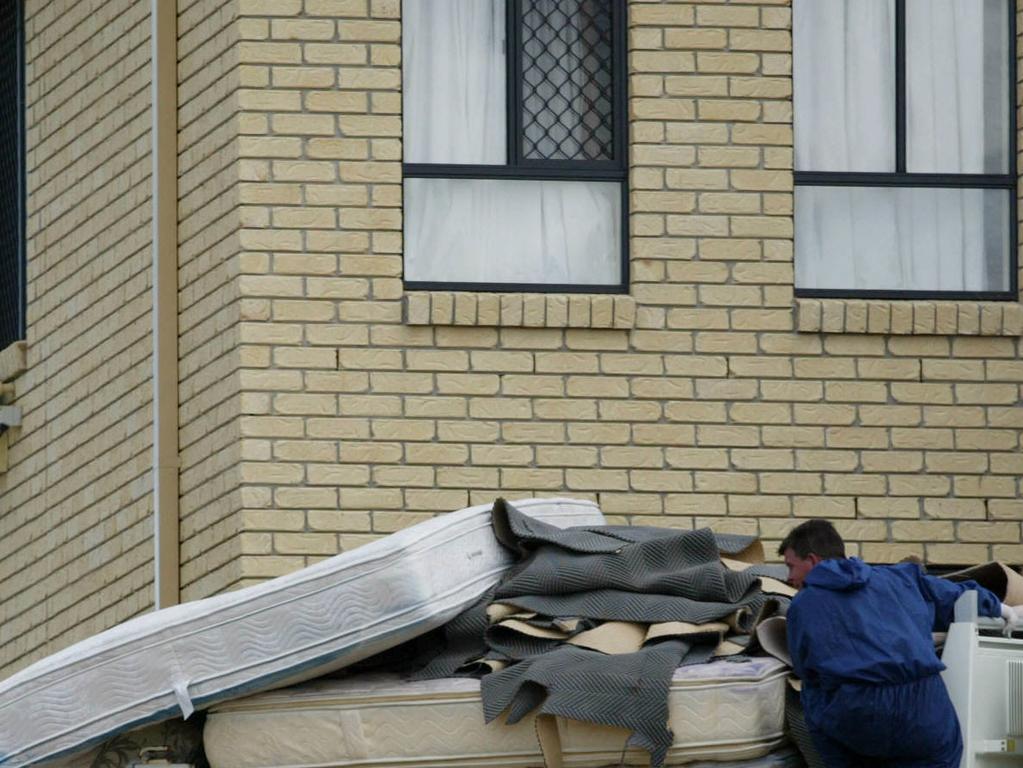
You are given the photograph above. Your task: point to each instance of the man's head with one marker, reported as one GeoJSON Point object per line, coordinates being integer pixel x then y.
{"type": "Point", "coordinates": [806, 545]}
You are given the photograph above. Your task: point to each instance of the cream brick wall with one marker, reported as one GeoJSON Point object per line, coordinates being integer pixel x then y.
{"type": "Point", "coordinates": [75, 529]}
{"type": "Point", "coordinates": [322, 406]}
{"type": "Point", "coordinates": [696, 402]}
{"type": "Point", "coordinates": [210, 309]}
{"type": "Point", "coordinates": [76, 509]}
{"type": "Point", "coordinates": [325, 463]}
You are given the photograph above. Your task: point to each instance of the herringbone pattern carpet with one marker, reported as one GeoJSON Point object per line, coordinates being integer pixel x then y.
{"type": "Point", "coordinates": [571, 580]}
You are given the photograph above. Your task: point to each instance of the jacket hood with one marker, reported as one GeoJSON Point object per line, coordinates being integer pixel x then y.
{"type": "Point", "coordinates": [840, 575]}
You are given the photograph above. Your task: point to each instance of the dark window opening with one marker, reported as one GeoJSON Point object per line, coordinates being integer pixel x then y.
{"type": "Point", "coordinates": [12, 260]}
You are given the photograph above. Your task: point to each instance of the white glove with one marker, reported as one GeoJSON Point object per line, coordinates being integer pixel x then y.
{"type": "Point", "coordinates": [1011, 617]}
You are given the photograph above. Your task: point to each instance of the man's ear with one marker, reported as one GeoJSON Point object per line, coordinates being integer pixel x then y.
{"type": "Point", "coordinates": [814, 559]}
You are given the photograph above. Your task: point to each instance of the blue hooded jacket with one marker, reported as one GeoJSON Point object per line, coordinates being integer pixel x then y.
{"type": "Point", "coordinates": [854, 623]}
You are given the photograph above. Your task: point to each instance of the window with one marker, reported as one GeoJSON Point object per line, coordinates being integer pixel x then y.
{"type": "Point", "coordinates": [514, 145]}
{"type": "Point", "coordinates": [12, 261]}
{"type": "Point", "coordinates": [905, 146]}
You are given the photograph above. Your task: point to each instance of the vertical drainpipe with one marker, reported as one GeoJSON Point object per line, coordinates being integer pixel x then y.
{"type": "Point", "coordinates": [166, 536]}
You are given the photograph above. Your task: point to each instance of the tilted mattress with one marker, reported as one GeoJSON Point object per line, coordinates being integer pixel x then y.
{"type": "Point", "coordinates": [719, 711]}
{"type": "Point", "coordinates": [290, 629]}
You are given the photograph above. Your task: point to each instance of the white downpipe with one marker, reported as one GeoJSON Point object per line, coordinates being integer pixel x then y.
{"type": "Point", "coordinates": [166, 533]}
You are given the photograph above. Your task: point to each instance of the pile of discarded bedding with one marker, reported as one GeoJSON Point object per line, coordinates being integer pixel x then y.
{"type": "Point", "coordinates": [591, 623]}
{"type": "Point", "coordinates": [601, 645]}
{"type": "Point", "coordinates": [595, 638]}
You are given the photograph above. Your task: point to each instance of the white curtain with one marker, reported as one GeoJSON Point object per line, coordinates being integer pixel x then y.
{"type": "Point", "coordinates": [454, 81]}
{"type": "Point", "coordinates": [844, 85]}
{"type": "Point", "coordinates": [513, 231]}
{"type": "Point", "coordinates": [957, 68]}
{"type": "Point", "coordinates": [894, 239]}
{"type": "Point", "coordinates": [919, 239]}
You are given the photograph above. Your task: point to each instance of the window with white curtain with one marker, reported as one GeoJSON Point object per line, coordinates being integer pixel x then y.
{"type": "Point", "coordinates": [514, 145]}
{"type": "Point", "coordinates": [905, 148]}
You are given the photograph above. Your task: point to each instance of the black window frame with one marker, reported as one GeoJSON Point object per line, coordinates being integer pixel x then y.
{"type": "Point", "coordinates": [15, 271]}
{"type": "Point", "coordinates": [901, 178]}
{"type": "Point", "coordinates": [517, 167]}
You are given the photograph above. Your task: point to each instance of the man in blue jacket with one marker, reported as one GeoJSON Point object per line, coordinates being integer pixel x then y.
{"type": "Point", "coordinates": [860, 639]}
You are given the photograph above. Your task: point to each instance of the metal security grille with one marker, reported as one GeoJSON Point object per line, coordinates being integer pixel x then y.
{"type": "Point", "coordinates": [567, 80]}
{"type": "Point", "coordinates": [11, 261]}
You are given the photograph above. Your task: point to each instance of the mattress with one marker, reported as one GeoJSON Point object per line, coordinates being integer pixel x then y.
{"type": "Point", "coordinates": [283, 631]}
{"type": "Point", "coordinates": [725, 710]}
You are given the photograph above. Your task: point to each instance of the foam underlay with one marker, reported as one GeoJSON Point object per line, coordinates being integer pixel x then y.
{"type": "Point", "coordinates": [283, 631]}
{"type": "Point", "coordinates": [719, 711]}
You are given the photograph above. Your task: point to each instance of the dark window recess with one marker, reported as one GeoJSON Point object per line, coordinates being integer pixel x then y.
{"type": "Point", "coordinates": [567, 80]}
{"type": "Point", "coordinates": [12, 279]}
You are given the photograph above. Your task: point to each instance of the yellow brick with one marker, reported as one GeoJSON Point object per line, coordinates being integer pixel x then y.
{"type": "Point", "coordinates": [926, 485]}
{"type": "Point", "coordinates": [958, 554]}
{"type": "Point", "coordinates": [374, 31]}
{"type": "Point", "coordinates": [661, 480]}
{"type": "Point", "coordinates": [727, 62]}
{"type": "Point", "coordinates": [662, 109]}
{"type": "Point", "coordinates": [336, 8]}
{"type": "Point", "coordinates": [761, 134]}
{"type": "Point", "coordinates": [662, 61]}
{"type": "Point", "coordinates": [985, 486]}
{"type": "Point", "coordinates": [724, 482]}
{"type": "Point", "coordinates": [759, 40]}
{"type": "Point", "coordinates": [732, 110]}
{"type": "Point", "coordinates": [302, 29]}
{"type": "Point", "coordinates": [888, 507]}
{"type": "Point", "coordinates": [1003, 509]}
{"type": "Point", "coordinates": [931, 439]}
{"type": "Point", "coordinates": [892, 461]}
{"type": "Point", "coordinates": [662, 16]}
{"type": "Point", "coordinates": [547, 456]}
{"type": "Point", "coordinates": [955, 509]}
{"type": "Point", "coordinates": [892, 553]}
{"type": "Point", "coordinates": [334, 53]}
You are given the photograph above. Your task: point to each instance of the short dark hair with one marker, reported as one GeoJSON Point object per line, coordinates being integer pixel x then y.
{"type": "Point", "coordinates": [817, 537]}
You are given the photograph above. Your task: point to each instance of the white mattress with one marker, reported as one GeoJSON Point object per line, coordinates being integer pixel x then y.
{"type": "Point", "coordinates": [719, 711]}
{"type": "Point", "coordinates": [293, 628]}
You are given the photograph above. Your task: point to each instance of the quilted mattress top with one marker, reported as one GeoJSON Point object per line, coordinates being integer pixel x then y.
{"type": "Point", "coordinates": [719, 711]}
{"type": "Point", "coordinates": [283, 631]}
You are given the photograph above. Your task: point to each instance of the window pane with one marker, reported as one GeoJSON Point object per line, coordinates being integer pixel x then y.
{"type": "Point", "coordinates": [513, 231]}
{"type": "Point", "coordinates": [454, 76]}
{"type": "Point", "coordinates": [844, 85]}
{"type": "Point", "coordinates": [567, 80]}
{"type": "Point", "coordinates": [957, 89]}
{"type": "Point", "coordinates": [11, 264]}
{"type": "Point", "coordinates": [902, 239]}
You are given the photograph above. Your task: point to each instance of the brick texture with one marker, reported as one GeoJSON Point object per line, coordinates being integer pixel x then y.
{"type": "Point", "coordinates": [707, 397]}
{"type": "Point", "coordinates": [210, 136]}
{"type": "Point", "coordinates": [323, 406]}
{"type": "Point", "coordinates": [75, 509]}
{"type": "Point", "coordinates": [211, 310]}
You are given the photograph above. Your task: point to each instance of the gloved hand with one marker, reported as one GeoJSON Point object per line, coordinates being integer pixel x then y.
{"type": "Point", "coordinates": [1011, 616]}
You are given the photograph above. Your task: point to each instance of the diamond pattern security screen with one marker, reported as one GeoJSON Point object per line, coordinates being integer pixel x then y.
{"type": "Point", "coordinates": [11, 261]}
{"type": "Point", "coordinates": [567, 80]}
